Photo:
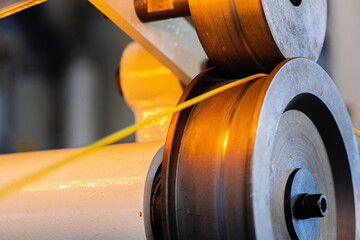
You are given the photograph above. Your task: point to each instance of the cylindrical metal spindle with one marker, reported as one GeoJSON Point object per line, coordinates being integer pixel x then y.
{"type": "Point", "coordinates": [153, 10]}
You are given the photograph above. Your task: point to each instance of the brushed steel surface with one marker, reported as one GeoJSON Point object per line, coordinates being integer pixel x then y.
{"type": "Point", "coordinates": [298, 145]}
{"type": "Point", "coordinates": [247, 36]}
{"type": "Point", "coordinates": [227, 159]}
{"type": "Point", "coordinates": [306, 87]}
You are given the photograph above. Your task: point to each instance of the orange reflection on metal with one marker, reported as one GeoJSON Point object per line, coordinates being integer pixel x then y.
{"type": "Point", "coordinates": [160, 5]}
{"type": "Point", "coordinates": [225, 144]}
{"type": "Point", "coordinates": [226, 140]}
{"type": "Point", "coordinates": [149, 73]}
{"type": "Point", "coordinates": [9, 7]}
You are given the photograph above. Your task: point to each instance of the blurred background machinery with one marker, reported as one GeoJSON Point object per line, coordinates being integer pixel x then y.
{"type": "Point", "coordinates": [49, 67]}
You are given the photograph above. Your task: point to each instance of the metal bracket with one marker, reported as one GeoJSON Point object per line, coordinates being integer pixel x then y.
{"type": "Point", "coordinates": [152, 10]}
{"type": "Point", "coordinates": [173, 42]}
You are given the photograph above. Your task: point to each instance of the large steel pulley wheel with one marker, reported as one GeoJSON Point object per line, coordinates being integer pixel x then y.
{"type": "Point", "coordinates": [275, 158]}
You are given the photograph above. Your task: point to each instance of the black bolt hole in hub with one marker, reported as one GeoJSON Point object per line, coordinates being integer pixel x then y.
{"type": "Point", "coordinates": [311, 206]}
{"type": "Point", "coordinates": [296, 3]}
{"type": "Point", "coordinates": [303, 205]}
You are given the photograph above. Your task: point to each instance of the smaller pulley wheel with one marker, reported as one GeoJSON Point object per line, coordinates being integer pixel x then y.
{"type": "Point", "coordinates": [242, 37]}
{"type": "Point", "coordinates": [275, 158]}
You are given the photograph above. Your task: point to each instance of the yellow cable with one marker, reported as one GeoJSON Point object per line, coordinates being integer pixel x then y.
{"type": "Point", "coordinates": [23, 182]}
{"type": "Point", "coordinates": [357, 132]}
{"type": "Point", "coordinates": [18, 6]}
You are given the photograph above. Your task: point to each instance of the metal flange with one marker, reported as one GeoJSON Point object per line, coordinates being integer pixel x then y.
{"type": "Point", "coordinates": [237, 165]}
{"type": "Point", "coordinates": [247, 36]}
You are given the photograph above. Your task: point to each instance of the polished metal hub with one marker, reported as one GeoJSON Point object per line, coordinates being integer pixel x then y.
{"type": "Point", "coordinates": [299, 152]}
{"type": "Point", "coordinates": [304, 206]}
{"type": "Point", "coordinates": [263, 160]}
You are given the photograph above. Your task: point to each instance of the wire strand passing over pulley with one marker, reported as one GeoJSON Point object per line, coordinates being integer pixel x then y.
{"type": "Point", "coordinates": [357, 132]}
{"type": "Point", "coordinates": [235, 154]}
{"type": "Point", "coordinates": [33, 177]}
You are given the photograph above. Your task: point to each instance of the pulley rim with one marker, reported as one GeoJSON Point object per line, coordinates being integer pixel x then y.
{"type": "Point", "coordinates": [257, 107]}
{"type": "Point", "coordinates": [305, 86]}
{"type": "Point", "coordinates": [298, 27]}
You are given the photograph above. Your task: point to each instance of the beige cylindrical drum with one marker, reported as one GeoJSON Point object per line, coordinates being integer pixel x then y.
{"type": "Point", "coordinates": [104, 195]}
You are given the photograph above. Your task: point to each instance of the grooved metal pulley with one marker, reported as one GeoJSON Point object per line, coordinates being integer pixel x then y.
{"type": "Point", "coordinates": [242, 37]}
{"type": "Point", "coordinates": [272, 159]}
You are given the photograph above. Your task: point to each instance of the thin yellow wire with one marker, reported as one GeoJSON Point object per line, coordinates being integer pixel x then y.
{"type": "Point", "coordinates": [31, 178]}
{"type": "Point", "coordinates": [19, 6]}
{"type": "Point", "coordinates": [357, 132]}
